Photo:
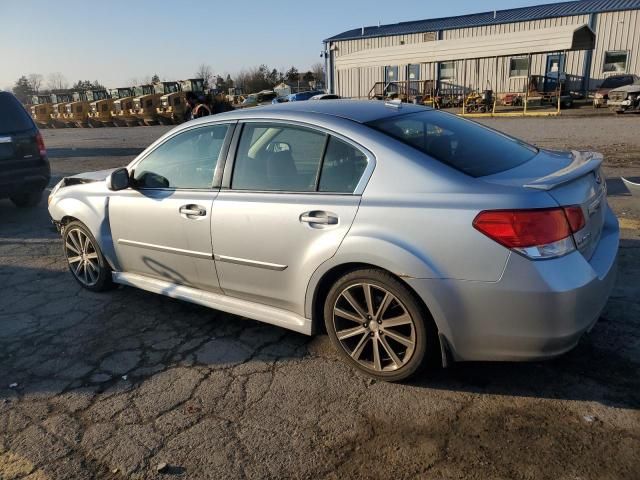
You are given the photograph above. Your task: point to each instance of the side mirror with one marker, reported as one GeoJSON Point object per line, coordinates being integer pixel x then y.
{"type": "Point", "coordinates": [118, 180]}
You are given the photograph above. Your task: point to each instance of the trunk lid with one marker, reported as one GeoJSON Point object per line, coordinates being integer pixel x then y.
{"type": "Point", "coordinates": [570, 178]}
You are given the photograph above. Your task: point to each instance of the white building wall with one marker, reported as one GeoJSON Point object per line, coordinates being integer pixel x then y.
{"type": "Point", "coordinates": [614, 31]}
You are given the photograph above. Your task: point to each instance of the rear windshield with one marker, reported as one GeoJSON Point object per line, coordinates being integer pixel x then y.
{"type": "Point", "coordinates": [13, 117]}
{"type": "Point", "coordinates": [615, 82]}
{"type": "Point", "coordinates": [462, 144]}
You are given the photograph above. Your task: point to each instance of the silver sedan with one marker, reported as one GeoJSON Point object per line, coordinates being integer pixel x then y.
{"type": "Point", "coordinates": [411, 235]}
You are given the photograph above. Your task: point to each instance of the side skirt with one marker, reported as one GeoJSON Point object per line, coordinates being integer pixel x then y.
{"type": "Point", "coordinates": [263, 313]}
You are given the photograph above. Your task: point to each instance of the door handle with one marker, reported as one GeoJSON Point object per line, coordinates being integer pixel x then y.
{"type": "Point", "coordinates": [319, 217]}
{"type": "Point", "coordinates": [192, 210]}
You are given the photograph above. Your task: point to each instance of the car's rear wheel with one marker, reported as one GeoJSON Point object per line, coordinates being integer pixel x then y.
{"type": "Point", "coordinates": [86, 262]}
{"type": "Point", "coordinates": [27, 199]}
{"type": "Point", "coordinates": [378, 325]}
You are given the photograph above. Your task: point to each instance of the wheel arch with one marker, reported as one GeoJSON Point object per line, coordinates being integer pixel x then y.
{"type": "Point", "coordinates": [93, 214]}
{"type": "Point", "coordinates": [321, 289]}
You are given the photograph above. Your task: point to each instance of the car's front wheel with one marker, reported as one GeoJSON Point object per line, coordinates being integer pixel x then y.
{"type": "Point", "coordinates": [85, 260]}
{"type": "Point", "coordinates": [378, 325]}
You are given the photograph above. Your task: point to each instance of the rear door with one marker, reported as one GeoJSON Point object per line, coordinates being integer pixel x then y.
{"type": "Point", "coordinates": [161, 227]}
{"type": "Point", "coordinates": [291, 195]}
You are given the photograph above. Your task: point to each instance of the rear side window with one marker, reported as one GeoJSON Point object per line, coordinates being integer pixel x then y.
{"type": "Point", "coordinates": [342, 167]}
{"type": "Point", "coordinates": [13, 117]}
{"type": "Point", "coordinates": [290, 158]}
{"type": "Point", "coordinates": [278, 157]}
{"type": "Point", "coordinates": [464, 145]}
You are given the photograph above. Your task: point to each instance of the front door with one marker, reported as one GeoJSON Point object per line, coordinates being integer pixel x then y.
{"type": "Point", "coordinates": [554, 73]}
{"type": "Point", "coordinates": [292, 197]}
{"type": "Point", "coordinates": [162, 226]}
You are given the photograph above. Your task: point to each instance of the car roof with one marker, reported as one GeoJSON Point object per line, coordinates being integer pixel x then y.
{"type": "Point", "coordinates": [360, 111]}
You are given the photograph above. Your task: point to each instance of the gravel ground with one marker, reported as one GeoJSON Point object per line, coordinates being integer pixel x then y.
{"type": "Point", "coordinates": [115, 385]}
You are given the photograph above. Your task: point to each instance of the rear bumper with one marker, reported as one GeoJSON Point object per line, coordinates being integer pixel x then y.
{"type": "Point", "coordinates": [24, 180]}
{"type": "Point", "coordinates": [537, 310]}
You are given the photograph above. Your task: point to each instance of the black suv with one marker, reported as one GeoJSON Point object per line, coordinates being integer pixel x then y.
{"type": "Point", "coordinates": [24, 168]}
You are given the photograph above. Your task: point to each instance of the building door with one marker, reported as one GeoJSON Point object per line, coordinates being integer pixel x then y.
{"type": "Point", "coordinates": [554, 72]}
{"type": "Point", "coordinates": [390, 78]}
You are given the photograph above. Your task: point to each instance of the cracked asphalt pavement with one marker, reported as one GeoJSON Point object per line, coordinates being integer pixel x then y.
{"type": "Point", "coordinates": [129, 384]}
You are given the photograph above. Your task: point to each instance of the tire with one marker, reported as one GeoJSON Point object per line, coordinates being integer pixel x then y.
{"type": "Point", "coordinates": [26, 200]}
{"type": "Point", "coordinates": [85, 260]}
{"type": "Point", "coordinates": [357, 335]}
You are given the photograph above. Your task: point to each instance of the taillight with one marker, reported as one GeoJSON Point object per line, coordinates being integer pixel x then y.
{"type": "Point", "coordinates": [41, 147]}
{"type": "Point", "coordinates": [575, 217]}
{"type": "Point", "coordinates": [536, 233]}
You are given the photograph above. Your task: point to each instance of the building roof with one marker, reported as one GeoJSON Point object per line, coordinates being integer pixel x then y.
{"type": "Point", "coordinates": [537, 12]}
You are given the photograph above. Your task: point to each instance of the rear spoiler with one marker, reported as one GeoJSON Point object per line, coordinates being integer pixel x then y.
{"type": "Point", "coordinates": [582, 164]}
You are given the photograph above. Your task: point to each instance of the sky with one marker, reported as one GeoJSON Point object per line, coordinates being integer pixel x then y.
{"type": "Point", "coordinates": [118, 41]}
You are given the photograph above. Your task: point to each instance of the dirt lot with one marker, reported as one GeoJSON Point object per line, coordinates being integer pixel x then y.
{"type": "Point", "coordinates": [112, 385]}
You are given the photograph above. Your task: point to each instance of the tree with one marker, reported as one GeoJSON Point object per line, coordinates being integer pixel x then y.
{"type": "Point", "coordinates": [292, 75]}
{"type": "Point", "coordinates": [22, 89]}
{"type": "Point", "coordinates": [35, 81]}
{"type": "Point", "coordinates": [57, 81]}
{"type": "Point", "coordinates": [87, 85]}
{"type": "Point", "coordinates": [155, 78]}
{"type": "Point", "coordinates": [318, 72]}
{"type": "Point", "coordinates": [204, 72]}
{"type": "Point", "coordinates": [308, 77]}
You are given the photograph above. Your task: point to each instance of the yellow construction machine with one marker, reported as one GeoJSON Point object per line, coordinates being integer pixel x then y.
{"type": "Point", "coordinates": [76, 112]}
{"type": "Point", "coordinates": [173, 106]}
{"type": "Point", "coordinates": [99, 114]}
{"type": "Point", "coordinates": [145, 107]}
{"type": "Point", "coordinates": [122, 111]}
{"type": "Point", "coordinates": [41, 109]}
{"type": "Point", "coordinates": [60, 100]}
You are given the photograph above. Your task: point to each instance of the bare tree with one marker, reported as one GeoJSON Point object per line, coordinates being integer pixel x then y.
{"type": "Point", "coordinates": [204, 71]}
{"type": "Point", "coordinates": [35, 80]}
{"type": "Point", "coordinates": [318, 72]}
{"type": "Point", "coordinates": [57, 81]}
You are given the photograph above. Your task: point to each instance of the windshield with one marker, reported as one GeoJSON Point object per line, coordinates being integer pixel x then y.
{"type": "Point", "coordinates": [171, 87]}
{"type": "Point", "coordinates": [100, 95]}
{"type": "Point", "coordinates": [464, 145]}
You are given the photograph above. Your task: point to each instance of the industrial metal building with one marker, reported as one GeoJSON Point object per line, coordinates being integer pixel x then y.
{"type": "Point", "coordinates": [580, 42]}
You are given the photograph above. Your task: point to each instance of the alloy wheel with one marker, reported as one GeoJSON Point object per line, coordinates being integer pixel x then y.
{"type": "Point", "coordinates": [374, 327]}
{"type": "Point", "coordinates": [82, 257]}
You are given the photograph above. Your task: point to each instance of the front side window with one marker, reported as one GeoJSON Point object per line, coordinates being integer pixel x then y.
{"type": "Point", "coordinates": [186, 161]}
{"type": "Point", "coordinates": [278, 157]}
{"type": "Point", "coordinates": [518, 67]}
{"type": "Point", "coordinates": [462, 144]}
{"type": "Point", "coordinates": [615, 62]}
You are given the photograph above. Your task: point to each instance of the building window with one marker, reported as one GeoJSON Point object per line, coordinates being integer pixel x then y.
{"type": "Point", "coordinates": [447, 70]}
{"type": "Point", "coordinates": [519, 67]}
{"type": "Point", "coordinates": [615, 62]}
{"type": "Point", "coordinates": [413, 72]}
